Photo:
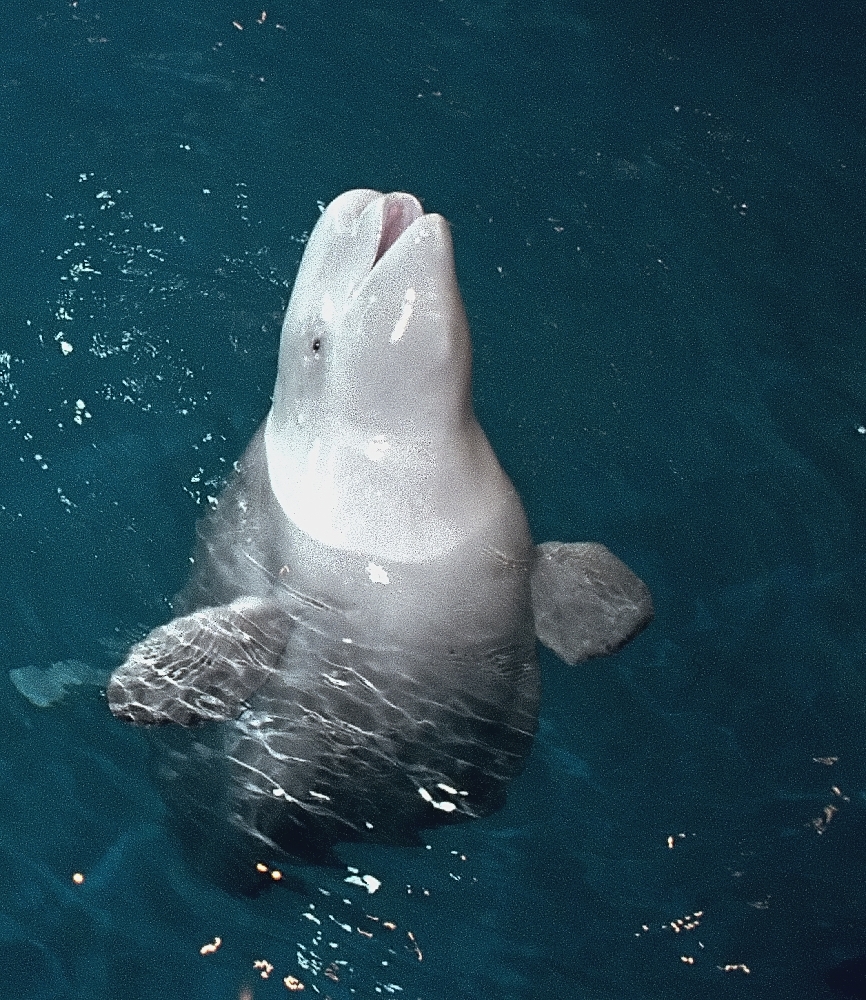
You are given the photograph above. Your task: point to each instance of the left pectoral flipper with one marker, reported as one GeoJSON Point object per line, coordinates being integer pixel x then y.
{"type": "Point", "coordinates": [586, 602]}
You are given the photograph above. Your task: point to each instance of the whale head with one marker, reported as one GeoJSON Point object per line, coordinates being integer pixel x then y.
{"type": "Point", "coordinates": [372, 442]}
{"type": "Point", "coordinates": [375, 334]}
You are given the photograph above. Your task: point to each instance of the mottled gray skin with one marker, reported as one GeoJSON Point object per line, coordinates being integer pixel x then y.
{"type": "Point", "coordinates": [359, 629]}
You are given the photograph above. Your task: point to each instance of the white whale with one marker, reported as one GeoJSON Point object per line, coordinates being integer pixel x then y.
{"type": "Point", "coordinates": [359, 630]}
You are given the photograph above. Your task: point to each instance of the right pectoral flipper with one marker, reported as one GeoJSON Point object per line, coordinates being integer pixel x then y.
{"type": "Point", "coordinates": [201, 667]}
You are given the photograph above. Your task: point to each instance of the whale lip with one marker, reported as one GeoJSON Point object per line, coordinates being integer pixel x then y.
{"type": "Point", "coordinates": [399, 212]}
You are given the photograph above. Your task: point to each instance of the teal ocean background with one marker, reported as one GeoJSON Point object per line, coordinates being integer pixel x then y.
{"type": "Point", "coordinates": [658, 215]}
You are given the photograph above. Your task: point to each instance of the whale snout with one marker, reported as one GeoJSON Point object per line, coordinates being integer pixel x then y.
{"type": "Point", "coordinates": [399, 211]}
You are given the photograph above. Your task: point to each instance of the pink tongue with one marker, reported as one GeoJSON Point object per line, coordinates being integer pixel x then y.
{"type": "Point", "coordinates": [399, 213]}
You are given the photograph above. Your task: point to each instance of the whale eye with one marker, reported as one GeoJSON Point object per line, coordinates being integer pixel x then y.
{"type": "Point", "coordinates": [316, 345]}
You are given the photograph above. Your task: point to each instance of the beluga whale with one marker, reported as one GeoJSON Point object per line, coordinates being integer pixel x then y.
{"type": "Point", "coordinates": [354, 655]}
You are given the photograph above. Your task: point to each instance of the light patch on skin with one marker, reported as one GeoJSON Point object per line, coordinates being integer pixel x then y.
{"type": "Point", "coordinates": [336, 681]}
{"type": "Point", "coordinates": [329, 310]}
{"type": "Point", "coordinates": [376, 573]}
{"type": "Point", "coordinates": [309, 494]}
{"type": "Point", "coordinates": [377, 447]}
{"type": "Point", "coordinates": [447, 788]}
{"type": "Point", "coordinates": [444, 806]}
{"type": "Point", "coordinates": [405, 315]}
{"type": "Point", "coordinates": [319, 491]}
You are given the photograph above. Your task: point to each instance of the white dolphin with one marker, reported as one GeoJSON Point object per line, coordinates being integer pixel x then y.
{"type": "Point", "coordinates": [360, 627]}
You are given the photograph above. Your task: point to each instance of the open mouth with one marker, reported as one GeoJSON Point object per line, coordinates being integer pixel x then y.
{"type": "Point", "coordinates": [398, 213]}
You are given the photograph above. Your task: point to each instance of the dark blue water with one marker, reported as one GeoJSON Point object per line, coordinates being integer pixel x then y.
{"type": "Point", "coordinates": [658, 215]}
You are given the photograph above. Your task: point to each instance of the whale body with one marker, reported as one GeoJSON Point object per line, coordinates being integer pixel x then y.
{"type": "Point", "coordinates": [354, 655]}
